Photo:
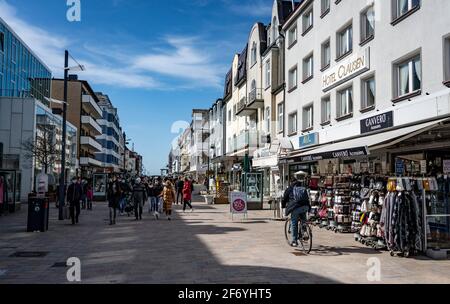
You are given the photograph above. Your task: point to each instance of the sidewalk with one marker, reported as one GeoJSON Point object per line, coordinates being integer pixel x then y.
{"type": "Point", "coordinates": [200, 247]}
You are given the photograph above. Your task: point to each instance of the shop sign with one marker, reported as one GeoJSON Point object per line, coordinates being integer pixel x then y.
{"type": "Point", "coordinates": [348, 69]}
{"type": "Point", "coordinates": [378, 122]}
{"type": "Point", "coordinates": [347, 153]}
{"type": "Point", "coordinates": [423, 167]}
{"type": "Point", "coordinates": [238, 203]}
{"type": "Point", "coordinates": [446, 165]}
{"type": "Point", "coordinates": [309, 140]}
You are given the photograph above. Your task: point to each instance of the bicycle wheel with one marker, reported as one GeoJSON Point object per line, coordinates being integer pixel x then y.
{"type": "Point", "coordinates": [288, 231]}
{"type": "Point", "coordinates": [305, 238]}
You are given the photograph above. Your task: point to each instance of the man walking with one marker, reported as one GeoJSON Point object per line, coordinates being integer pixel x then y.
{"type": "Point", "coordinates": [114, 194]}
{"type": "Point", "coordinates": [187, 194]}
{"type": "Point", "coordinates": [138, 198]}
{"type": "Point", "coordinates": [74, 193]}
{"type": "Point", "coordinates": [179, 184]}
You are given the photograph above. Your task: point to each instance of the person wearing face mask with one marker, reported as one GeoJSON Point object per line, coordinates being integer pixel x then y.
{"type": "Point", "coordinates": [114, 194]}
{"type": "Point", "coordinates": [74, 193]}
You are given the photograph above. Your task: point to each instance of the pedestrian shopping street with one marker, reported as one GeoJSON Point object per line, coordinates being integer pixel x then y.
{"type": "Point", "coordinates": [205, 246]}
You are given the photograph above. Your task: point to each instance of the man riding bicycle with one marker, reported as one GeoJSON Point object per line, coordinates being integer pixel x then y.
{"type": "Point", "coordinates": [297, 204]}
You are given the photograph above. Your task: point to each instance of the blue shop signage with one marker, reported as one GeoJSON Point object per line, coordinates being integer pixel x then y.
{"type": "Point", "coordinates": [309, 140]}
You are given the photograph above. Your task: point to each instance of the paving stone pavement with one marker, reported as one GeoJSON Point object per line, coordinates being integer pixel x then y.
{"type": "Point", "coordinates": [201, 247]}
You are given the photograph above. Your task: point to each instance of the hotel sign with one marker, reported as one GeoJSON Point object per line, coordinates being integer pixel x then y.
{"type": "Point", "coordinates": [309, 140]}
{"type": "Point", "coordinates": [376, 123]}
{"type": "Point", "coordinates": [348, 69]}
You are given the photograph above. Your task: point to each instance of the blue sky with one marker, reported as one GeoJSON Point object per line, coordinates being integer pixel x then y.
{"type": "Point", "coordinates": [157, 60]}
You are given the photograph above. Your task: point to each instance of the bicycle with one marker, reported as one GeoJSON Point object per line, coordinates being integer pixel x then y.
{"type": "Point", "coordinates": [304, 232]}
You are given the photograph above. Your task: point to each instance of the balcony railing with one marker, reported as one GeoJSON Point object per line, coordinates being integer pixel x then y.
{"type": "Point", "coordinates": [255, 95]}
{"type": "Point", "coordinates": [92, 106]}
{"type": "Point", "coordinates": [91, 143]}
{"type": "Point", "coordinates": [91, 124]}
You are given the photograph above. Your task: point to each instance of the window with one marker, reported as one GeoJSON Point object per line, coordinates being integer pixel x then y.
{"type": "Point", "coordinates": [368, 24]}
{"type": "Point", "coordinates": [368, 93]}
{"type": "Point", "coordinates": [280, 109]}
{"type": "Point", "coordinates": [345, 41]}
{"type": "Point", "coordinates": [409, 76]}
{"type": "Point", "coordinates": [292, 35]}
{"type": "Point", "coordinates": [253, 54]}
{"type": "Point", "coordinates": [402, 7]}
{"type": "Point", "coordinates": [326, 110]}
{"type": "Point", "coordinates": [292, 123]}
{"type": "Point", "coordinates": [234, 113]}
{"type": "Point", "coordinates": [308, 117]}
{"type": "Point", "coordinates": [307, 20]}
{"type": "Point", "coordinates": [267, 68]}
{"type": "Point", "coordinates": [308, 67]}
{"type": "Point", "coordinates": [326, 54]}
{"type": "Point", "coordinates": [274, 28]}
{"type": "Point", "coordinates": [325, 6]}
{"type": "Point", "coordinates": [292, 78]}
{"type": "Point", "coordinates": [268, 119]}
{"type": "Point", "coordinates": [447, 61]}
{"type": "Point", "coordinates": [2, 42]}
{"type": "Point", "coordinates": [345, 102]}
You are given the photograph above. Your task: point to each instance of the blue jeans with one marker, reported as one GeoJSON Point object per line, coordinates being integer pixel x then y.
{"type": "Point", "coordinates": [122, 205]}
{"type": "Point", "coordinates": [299, 213]}
{"type": "Point", "coordinates": [153, 204]}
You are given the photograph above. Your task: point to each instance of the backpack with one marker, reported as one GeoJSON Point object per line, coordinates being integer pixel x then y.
{"type": "Point", "coordinates": [300, 195]}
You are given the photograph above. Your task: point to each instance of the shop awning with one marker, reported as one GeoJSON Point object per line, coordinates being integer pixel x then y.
{"type": "Point", "coordinates": [362, 146]}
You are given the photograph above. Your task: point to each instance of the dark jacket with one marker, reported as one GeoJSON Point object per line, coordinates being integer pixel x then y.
{"type": "Point", "coordinates": [74, 193]}
{"type": "Point", "coordinates": [139, 195]}
{"type": "Point", "coordinates": [114, 194]}
{"type": "Point", "coordinates": [158, 189]}
{"type": "Point", "coordinates": [290, 203]}
{"type": "Point", "coordinates": [180, 185]}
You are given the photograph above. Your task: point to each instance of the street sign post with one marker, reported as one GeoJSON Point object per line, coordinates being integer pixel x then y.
{"type": "Point", "coordinates": [238, 204]}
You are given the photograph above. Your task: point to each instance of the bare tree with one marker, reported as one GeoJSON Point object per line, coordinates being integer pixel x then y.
{"type": "Point", "coordinates": [42, 149]}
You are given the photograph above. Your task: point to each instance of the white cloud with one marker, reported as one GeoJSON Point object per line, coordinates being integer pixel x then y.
{"type": "Point", "coordinates": [184, 60]}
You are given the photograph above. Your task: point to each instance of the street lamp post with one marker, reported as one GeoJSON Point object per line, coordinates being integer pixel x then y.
{"type": "Point", "coordinates": [62, 180]}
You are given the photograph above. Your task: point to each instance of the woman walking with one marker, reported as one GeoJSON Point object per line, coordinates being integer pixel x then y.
{"type": "Point", "coordinates": [187, 194]}
{"type": "Point", "coordinates": [169, 197]}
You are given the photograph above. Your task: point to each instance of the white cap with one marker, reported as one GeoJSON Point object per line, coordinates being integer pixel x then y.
{"type": "Point", "coordinates": [138, 180]}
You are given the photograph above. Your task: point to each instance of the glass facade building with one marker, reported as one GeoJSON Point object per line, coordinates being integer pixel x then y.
{"type": "Point", "coordinates": [22, 73]}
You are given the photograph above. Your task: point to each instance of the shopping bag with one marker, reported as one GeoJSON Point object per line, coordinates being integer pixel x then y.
{"type": "Point", "coordinates": [66, 212]}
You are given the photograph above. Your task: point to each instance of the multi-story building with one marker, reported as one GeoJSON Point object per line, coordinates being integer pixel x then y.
{"type": "Point", "coordinates": [26, 122]}
{"type": "Point", "coordinates": [111, 139]}
{"type": "Point", "coordinates": [83, 111]}
{"type": "Point", "coordinates": [22, 73]}
{"type": "Point", "coordinates": [217, 139]}
{"type": "Point", "coordinates": [199, 144]}
{"type": "Point", "coordinates": [184, 142]}
{"type": "Point", "coordinates": [367, 86]}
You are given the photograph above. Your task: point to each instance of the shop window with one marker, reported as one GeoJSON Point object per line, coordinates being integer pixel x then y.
{"type": "Point", "coordinates": [368, 93]}
{"type": "Point", "coordinates": [307, 20]}
{"type": "Point", "coordinates": [344, 42]}
{"type": "Point", "coordinates": [292, 35]}
{"type": "Point", "coordinates": [326, 110]}
{"type": "Point", "coordinates": [292, 78]}
{"type": "Point", "coordinates": [280, 110]}
{"type": "Point", "coordinates": [408, 76]}
{"type": "Point", "coordinates": [403, 8]}
{"type": "Point", "coordinates": [326, 55]}
{"type": "Point", "coordinates": [344, 103]}
{"type": "Point", "coordinates": [308, 117]}
{"type": "Point", "coordinates": [292, 123]}
{"type": "Point", "coordinates": [308, 68]}
{"type": "Point", "coordinates": [367, 24]}
{"type": "Point", "coordinates": [325, 7]}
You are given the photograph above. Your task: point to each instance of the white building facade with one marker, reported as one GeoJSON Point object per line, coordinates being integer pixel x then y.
{"type": "Point", "coordinates": [358, 68]}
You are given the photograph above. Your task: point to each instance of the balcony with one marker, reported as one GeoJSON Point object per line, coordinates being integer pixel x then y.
{"type": "Point", "coordinates": [249, 105]}
{"type": "Point", "coordinates": [90, 143]}
{"type": "Point", "coordinates": [89, 123]}
{"type": "Point", "coordinates": [247, 140]}
{"type": "Point", "coordinates": [92, 107]}
{"type": "Point", "coordinates": [89, 161]}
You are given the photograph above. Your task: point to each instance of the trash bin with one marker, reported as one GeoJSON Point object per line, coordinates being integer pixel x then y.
{"type": "Point", "coordinates": [38, 214]}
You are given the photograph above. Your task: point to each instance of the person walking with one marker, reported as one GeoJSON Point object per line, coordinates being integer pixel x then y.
{"type": "Point", "coordinates": [74, 193]}
{"type": "Point", "coordinates": [187, 195]}
{"type": "Point", "coordinates": [114, 194]}
{"type": "Point", "coordinates": [151, 197]}
{"type": "Point", "coordinates": [138, 197]}
{"type": "Point", "coordinates": [125, 191]}
{"type": "Point", "coordinates": [169, 197]}
{"type": "Point", "coordinates": [157, 192]}
{"type": "Point", "coordinates": [179, 187]}
{"type": "Point", "coordinates": [89, 196]}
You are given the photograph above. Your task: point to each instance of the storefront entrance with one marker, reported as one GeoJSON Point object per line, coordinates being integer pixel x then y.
{"type": "Point", "coordinates": [10, 181]}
